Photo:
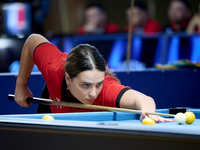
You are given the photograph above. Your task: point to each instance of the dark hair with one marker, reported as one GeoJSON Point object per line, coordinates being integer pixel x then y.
{"type": "Point", "coordinates": [84, 57]}
{"type": "Point", "coordinates": [96, 4]}
{"type": "Point", "coordinates": [185, 2]}
{"type": "Point", "coordinates": [141, 5]}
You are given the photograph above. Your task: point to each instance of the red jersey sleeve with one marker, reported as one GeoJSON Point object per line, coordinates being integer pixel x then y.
{"type": "Point", "coordinates": [48, 56]}
{"type": "Point", "coordinates": [50, 61]}
{"type": "Point", "coordinates": [112, 92]}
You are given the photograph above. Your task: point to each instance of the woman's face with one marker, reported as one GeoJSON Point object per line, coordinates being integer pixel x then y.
{"type": "Point", "coordinates": [86, 86]}
{"type": "Point", "coordinates": [95, 16]}
{"type": "Point", "coordinates": [139, 16]}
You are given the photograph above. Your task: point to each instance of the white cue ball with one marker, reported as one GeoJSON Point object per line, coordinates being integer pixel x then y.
{"type": "Point", "coordinates": [180, 118]}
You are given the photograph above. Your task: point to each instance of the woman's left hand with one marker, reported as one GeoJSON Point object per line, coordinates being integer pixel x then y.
{"type": "Point", "coordinates": [156, 118]}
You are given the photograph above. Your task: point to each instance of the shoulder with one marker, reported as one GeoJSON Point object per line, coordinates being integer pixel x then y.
{"type": "Point", "coordinates": [111, 24]}
{"type": "Point", "coordinates": [112, 28]}
{"type": "Point", "coordinates": [80, 30]}
{"type": "Point", "coordinates": [49, 59]}
{"type": "Point", "coordinates": [34, 40]}
{"type": "Point", "coordinates": [111, 84]}
{"type": "Point", "coordinates": [153, 26]}
{"type": "Point", "coordinates": [108, 79]}
{"type": "Point", "coordinates": [112, 92]}
{"type": "Point", "coordinates": [126, 28]}
{"type": "Point", "coordinates": [153, 22]}
{"type": "Point", "coordinates": [47, 51]}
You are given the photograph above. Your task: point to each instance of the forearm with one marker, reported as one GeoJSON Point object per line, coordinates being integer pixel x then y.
{"type": "Point", "coordinates": [135, 100]}
{"type": "Point", "coordinates": [145, 103]}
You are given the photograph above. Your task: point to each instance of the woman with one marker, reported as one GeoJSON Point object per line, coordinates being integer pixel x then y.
{"type": "Point", "coordinates": [82, 78]}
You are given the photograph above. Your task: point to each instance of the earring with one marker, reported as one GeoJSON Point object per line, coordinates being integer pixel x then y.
{"type": "Point", "coordinates": [67, 87]}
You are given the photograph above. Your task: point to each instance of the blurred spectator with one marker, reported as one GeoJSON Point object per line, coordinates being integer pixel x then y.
{"type": "Point", "coordinates": [96, 21]}
{"type": "Point", "coordinates": [140, 20]}
{"type": "Point", "coordinates": [194, 24]}
{"type": "Point", "coordinates": [179, 16]}
{"type": "Point", "coordinates": [1, 16]}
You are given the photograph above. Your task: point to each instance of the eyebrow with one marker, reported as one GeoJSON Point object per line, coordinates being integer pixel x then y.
{"type": "Point", "coordinates": [91, 83]}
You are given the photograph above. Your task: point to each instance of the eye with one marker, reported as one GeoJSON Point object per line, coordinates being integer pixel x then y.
{"type": "Point", "coordinates": [99, 84]}
{"type": "Point", "coordinates": [86, 85]}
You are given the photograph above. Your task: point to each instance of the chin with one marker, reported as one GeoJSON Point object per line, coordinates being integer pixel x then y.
{"type": "Point", "coordinates": [88, 102]}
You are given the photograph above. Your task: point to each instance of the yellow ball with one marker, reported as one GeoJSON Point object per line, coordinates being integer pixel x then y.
{"type": "Point", "coordinates": [148, 121]}
{"type": "Point", "coordinates": [48, 117]}
{"type": "Point", "coordinates": [190, 117]}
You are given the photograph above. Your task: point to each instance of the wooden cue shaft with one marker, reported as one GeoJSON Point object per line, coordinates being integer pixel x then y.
{"type": "Point", "coordinates": [87, 106]}
{"type": "Point", "coordinates": [129, 37]}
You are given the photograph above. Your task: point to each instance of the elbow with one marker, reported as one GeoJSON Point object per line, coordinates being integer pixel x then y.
{"type": "Point", "coordinates": [33, 41]}
{"type": "Point", "coordinates": [150, 98]}
{"type": "Point", "coordinates": [33, 37]}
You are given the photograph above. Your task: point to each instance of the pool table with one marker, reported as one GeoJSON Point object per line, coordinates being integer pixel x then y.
{"type": "Point", "coordinates": [96, 130]}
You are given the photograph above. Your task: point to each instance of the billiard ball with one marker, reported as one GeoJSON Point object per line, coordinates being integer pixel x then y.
{"type": "Point", "coordinates": [180, 118]}
{"type": "Point", "coordinates": [190, 117]}
{"type": "Point", "coordinates": [148, 121]}
{"type": "Point", "coordinates": [48, 117]}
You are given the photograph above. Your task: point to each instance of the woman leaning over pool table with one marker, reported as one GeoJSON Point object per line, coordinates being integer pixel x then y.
{"type": "Point", "coordinates": [80, 76]}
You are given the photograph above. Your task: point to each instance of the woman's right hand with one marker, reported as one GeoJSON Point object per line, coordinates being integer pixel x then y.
{"type": "Point", "coordinates": [21, 94]}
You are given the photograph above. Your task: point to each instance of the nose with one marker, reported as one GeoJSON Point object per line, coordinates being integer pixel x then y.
{"type": "Point", "coordinates": [93, 93]}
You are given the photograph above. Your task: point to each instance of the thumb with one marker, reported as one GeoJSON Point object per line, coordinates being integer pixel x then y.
{"type": "Point", "coordinates": [142, 116]}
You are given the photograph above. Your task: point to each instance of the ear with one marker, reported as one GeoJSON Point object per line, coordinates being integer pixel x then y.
{"type": "Point", "coordinates": [67, 78]}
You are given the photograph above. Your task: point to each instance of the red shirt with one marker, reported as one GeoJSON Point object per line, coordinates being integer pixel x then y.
{"type": "Point", "coordinates": [50, 62]}
{"type": "Point", "coordinates": [181, 26]}
{"type": "Point", "coordinates": [151, 26]}
{"type": "Point", "coordinates": [109, 28]}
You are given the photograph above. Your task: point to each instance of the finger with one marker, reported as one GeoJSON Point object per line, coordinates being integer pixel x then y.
{"type": "Point", "coordinates": [169, 120]}
{"type": "Point", "coordinates": [142, 116]}
{"type": "Point", "coordinates": [155, 118]}
{"type": "Point", "coordinates": [23, 104]}
{"type": "Point", "coordinates": [165, 120]}
{"type": "Point", "coordinates": [161, 119]}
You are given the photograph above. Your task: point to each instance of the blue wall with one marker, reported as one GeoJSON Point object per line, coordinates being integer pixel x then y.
{"type": "Point", "coordinates": [169, 88]}
{"type": "Point", "coordinates": [7, 86]}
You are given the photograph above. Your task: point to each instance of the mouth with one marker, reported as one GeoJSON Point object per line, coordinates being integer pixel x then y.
{"type": "Point", "coordinates": [90, 100]}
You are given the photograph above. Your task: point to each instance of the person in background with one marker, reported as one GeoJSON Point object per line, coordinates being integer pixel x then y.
{"type": "Point", "coordinates": [179, 16]}
{"type": "Point", "coordinates": [140, 20]}
{"type": "Point", "coordinates": [194, 24]}
{"type": "Point", "coordinates": [96, 21]}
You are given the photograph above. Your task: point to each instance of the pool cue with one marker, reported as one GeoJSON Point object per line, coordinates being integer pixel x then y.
{"type": "Point", "coordinates": [86, 106]}
{"type": "Point", "coordinates": [129, 38]}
